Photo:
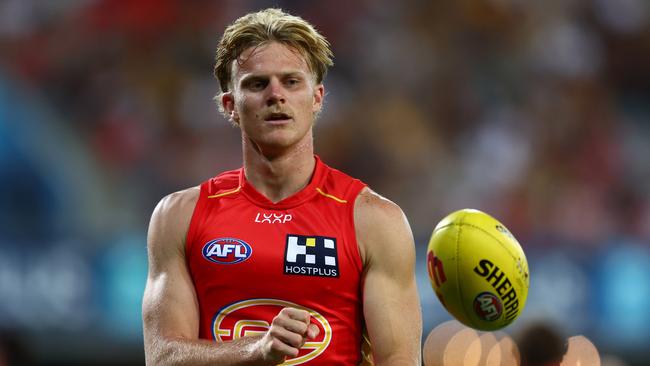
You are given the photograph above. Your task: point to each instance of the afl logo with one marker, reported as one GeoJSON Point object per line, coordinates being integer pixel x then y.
{"type": "Point", "coordinates": [253, 317]}
{"type": "Point", "coordinates": [487, 306]}
{"type": "Point", "coordinates": [227, 251]}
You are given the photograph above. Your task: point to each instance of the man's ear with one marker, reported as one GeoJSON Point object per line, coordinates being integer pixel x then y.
{"type": "Point", "coordinates": [228, 103]}
{"type": "Point", "coordinates": [319, 93]}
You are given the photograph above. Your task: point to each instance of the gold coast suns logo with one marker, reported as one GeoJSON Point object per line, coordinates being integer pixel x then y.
{"type": "Point", "coordinates": [253, 317]}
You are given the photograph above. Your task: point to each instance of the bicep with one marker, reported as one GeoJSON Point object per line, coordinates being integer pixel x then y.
{"type": "Point", "coordinates": [391, 304]}
{"type": "Point", "coordinates": [392, 314]}
{"type": "Point", "coordinates": [169, 306]}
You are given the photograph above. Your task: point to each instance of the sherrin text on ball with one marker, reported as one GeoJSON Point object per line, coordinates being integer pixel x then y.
{"type": "Point", "coordinates": [478, 270]}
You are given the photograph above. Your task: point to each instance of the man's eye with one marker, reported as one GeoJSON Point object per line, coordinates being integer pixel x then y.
{"type": "Point", "coordinates": [257, 85]}
{"type": "Point", "coordinates": [293, 81]}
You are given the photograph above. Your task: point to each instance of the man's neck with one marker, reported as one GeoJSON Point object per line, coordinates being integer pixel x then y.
{"type": "Point", "coordinates": [282, 175]}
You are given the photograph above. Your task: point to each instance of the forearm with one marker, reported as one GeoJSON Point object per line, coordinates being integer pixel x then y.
{"type": "Point", "coordinates": [187, 352]}
{"type": "Point", "coordinates": [396, 341]}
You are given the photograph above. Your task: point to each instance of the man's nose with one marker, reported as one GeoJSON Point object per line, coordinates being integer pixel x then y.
{"type": "Point", "coordinates": [275, 93]}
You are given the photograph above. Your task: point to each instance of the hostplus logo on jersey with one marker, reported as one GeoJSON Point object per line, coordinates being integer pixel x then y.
{"type": "Point", "coordinates": [227, 251]}
{"type": "Point", "coordinates": [311, 256]}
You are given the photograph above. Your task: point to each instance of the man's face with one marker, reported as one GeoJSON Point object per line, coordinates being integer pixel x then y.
{"type": "Point", "coordinates": [274, 96]}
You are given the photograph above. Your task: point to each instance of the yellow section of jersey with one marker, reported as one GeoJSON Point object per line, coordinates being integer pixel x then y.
{"type": "Point", "coordinates": [330, 196]}
{"type": "Point", "coordinates": [225, 193]}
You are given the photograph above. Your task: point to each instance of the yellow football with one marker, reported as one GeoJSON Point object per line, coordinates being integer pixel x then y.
{"type": "Point", "coordinates": [478, 270]}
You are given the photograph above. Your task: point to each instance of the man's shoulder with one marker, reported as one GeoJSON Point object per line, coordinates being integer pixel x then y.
{"type": "Point", "coordinates": [183, 197]}
{"type": "Point", "coordinates": [170, 221]}
{"type": "Point", "coordinates": [374, 208]}
{"type": "Point", "coordinates": [178, 204]}
{"type": "Point", "coordinates": [381, 227]}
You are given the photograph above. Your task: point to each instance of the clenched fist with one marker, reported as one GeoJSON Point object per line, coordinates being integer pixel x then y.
{"type": "Point", "coordinates": [289, 331]}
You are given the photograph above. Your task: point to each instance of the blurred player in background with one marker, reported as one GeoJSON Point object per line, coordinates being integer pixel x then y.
{"type": "Point", "coordinates": [285, 258]}
{"type": "Point", "coordinates": [13, 350]}
{"type": "Point", "coordinates": [541, 344]}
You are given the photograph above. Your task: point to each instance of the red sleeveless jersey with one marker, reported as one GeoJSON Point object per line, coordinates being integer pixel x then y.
{"type": "Point", "coordinates": [250, 257]}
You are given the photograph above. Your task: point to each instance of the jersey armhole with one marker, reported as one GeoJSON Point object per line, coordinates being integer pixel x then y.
{"type": "Point", "coordinates": [191, 236]}
{"type": "Point", "coordinates": [355, 190]}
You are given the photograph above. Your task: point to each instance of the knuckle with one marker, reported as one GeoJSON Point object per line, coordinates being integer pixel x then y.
{"type": "Point", "coordinates": [278, 320]}
{"type": "Point", "coordinates": [295, 340]}
{"type": "Point", "coordinates": [300, 328]}
{"type": "Point", "coordinates": [274, 332]}
{"type": "Point", "coordinates": [276, 345]}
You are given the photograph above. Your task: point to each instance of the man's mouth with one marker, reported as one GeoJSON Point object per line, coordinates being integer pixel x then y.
{"type": "Point", "coordinates": [277, 117]}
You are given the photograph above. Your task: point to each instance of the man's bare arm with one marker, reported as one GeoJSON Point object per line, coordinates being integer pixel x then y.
{"type": "Point", "coordinates": [170, 310]}
{"type": "Point", "coordinates": [391, 304]}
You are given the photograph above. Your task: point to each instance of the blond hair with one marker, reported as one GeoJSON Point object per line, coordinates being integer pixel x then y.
{"type": "Point", "coordinates": [269, 25]}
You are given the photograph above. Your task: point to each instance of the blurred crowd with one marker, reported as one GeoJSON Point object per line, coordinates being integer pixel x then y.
{"type": "Point", "coordinates": [536, 112]}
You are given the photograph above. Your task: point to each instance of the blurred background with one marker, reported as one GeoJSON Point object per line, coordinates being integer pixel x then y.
{"type": "Point", "coordinates": [536, 112]}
